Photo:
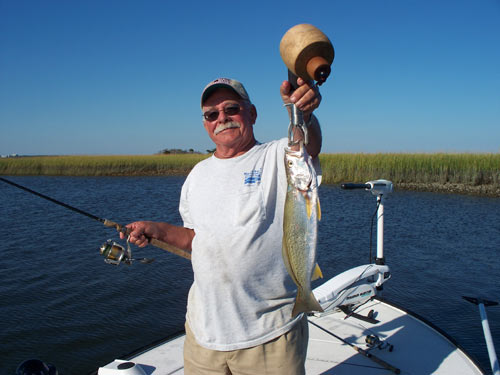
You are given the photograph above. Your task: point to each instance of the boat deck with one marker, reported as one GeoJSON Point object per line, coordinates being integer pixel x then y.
{"type": "Point", "coordinates": [418, 348]}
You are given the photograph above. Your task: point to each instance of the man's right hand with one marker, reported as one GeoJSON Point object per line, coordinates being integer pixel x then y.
{"type": "Point", "coordinates": [140, 232]}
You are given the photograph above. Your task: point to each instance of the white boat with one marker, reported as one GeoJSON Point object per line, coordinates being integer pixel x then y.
{"type": "Point", "coordinates": [417, 348]}
{"type": "Point", "coordinates": [359, 332]}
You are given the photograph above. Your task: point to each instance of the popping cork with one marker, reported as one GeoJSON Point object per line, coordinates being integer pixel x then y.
{"type": "Point", "coordinates": [307, 52]}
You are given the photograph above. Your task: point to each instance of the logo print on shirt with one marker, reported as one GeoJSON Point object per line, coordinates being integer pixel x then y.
{"type": "Point", "coordinates": [253, 177]}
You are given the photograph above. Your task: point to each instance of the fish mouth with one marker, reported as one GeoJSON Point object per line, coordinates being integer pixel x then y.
{"type": "Point", "coordinates": [294, 153]}
{"type": "Point", "coordinates": [228, 125]}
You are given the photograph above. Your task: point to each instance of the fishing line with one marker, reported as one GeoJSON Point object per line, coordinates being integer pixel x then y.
{"type": "Point", "coordinates": [110, 224]}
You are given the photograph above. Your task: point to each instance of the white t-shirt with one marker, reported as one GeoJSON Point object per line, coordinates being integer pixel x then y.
{"type": "Point", "coordinates": [242, 295]}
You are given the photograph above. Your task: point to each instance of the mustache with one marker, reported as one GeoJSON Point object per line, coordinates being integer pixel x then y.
{"type": "Point", "coordinates": [227, 125]}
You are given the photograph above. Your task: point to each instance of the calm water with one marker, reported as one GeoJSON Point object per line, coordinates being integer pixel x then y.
{"type": "Point", "coordinates": [60, 302]}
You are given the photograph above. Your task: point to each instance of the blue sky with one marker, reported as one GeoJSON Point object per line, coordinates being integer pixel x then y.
{"type": "Point", "coordinates": [125, 77]}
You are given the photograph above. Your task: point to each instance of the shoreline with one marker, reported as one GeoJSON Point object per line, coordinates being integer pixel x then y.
{"type": "Point", "coordinates": [470, 174]}
{"type": "Point", "coordinates": [491, 191]}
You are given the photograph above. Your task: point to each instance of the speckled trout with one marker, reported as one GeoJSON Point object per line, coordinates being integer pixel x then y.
{"type": "Point", "coordinates": [300, 227]}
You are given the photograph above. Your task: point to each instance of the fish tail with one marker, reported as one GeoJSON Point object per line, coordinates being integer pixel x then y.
{"type": "Point", "coordinates": [305, 302]}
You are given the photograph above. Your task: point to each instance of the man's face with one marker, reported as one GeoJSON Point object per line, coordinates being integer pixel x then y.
{"type": "Point", "coordinates": [230, 123]}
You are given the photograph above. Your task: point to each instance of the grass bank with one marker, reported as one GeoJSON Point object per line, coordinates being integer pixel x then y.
{"type": "Point", "coordinates": [441, 172]}
{"type": "Point", "coordinates": [117, 165]}
{"type": "Point", "coordinates": [460, 173]}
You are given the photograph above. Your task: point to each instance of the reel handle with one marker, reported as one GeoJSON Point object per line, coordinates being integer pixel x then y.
{"type": "Point", "coordinates": [153, 241]}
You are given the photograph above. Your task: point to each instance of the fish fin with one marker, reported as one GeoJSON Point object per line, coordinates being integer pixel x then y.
{"type": "Point", "coordinates": [308, 206]}
{"type": "Point", "coordinates": [317, 273]}
{"type": "Point", "coordinates": [319, 209]}
{"type": "Point", "coordinates": [305, 302]}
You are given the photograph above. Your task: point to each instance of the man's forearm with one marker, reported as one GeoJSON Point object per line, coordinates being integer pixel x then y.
{"type": "Point", "coordinates": [180, 237]}
{"type": "Point", "coordinates": [313, 135]}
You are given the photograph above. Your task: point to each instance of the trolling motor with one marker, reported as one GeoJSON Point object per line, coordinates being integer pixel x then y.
{"type": "Point", "coordinates": [114, 254]}
{"type": "Point", "coordinates": [379, 188]}
{"type": "Point", "coordinates": [352, 288]}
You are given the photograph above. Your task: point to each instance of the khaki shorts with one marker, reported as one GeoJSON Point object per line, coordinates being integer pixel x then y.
{"type": "Point", "coordinates": [285, 355]}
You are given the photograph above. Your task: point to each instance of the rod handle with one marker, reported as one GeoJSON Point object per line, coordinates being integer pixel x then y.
{"type": "Point", "coordinates": [153, 241]}
{"type": "Point", "coordinates": [292, 78]}
{"type": "Point", "coordinates": [375, 359]}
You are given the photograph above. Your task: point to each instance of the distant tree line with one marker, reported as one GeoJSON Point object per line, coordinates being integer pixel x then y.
{"type": "Point", "coordinates": [167, 151]}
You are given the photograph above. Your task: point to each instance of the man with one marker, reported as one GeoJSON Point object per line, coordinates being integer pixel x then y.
{"type": "Point", "coordinates": [239, 317]}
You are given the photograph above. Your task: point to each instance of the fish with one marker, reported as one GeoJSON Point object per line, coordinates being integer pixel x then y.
{"type": "Point", "coordinates": [300, 227]}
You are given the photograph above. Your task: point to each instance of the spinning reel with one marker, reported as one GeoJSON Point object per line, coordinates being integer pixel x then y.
{"type": "Point", "coordinates": [373, 341]}
{"type": "Point", "coordinates": [114, 254]}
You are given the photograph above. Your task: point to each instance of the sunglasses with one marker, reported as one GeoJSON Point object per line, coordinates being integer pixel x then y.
{"type": "Point", "coordinates": [229, 110]}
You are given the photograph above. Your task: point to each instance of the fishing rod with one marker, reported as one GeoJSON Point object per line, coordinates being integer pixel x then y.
{"type": "Point", "coordinates": [361, 351]}
{"type": "Point", "coordinates": [113, 252]}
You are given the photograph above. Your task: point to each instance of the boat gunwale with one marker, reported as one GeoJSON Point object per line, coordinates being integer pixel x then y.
{"type": "Point", "coordinates": [145, 348]}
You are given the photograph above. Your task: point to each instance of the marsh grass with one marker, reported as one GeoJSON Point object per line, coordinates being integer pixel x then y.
{"type": "Point", "coordinates": [470, 169]}
{"type": "Point", "coordinates": [141, 165]}
{"type": "Point", "coordinates": [414, 171]}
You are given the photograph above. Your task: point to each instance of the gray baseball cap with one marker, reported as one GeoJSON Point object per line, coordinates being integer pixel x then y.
{"type": "Point", "coordinates": [229, 83]}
